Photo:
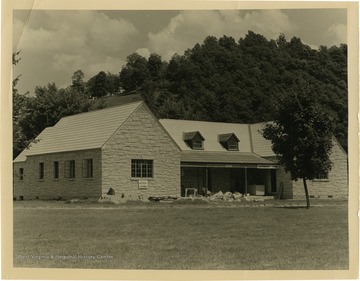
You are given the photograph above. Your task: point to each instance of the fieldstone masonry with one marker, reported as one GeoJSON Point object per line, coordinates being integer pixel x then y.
{"type": "Point", "coordinates": [31, 187]}
{"type": "Point", "coordinates": [336, 186]}
{"type": "Point", "coordinates": [141, 137]}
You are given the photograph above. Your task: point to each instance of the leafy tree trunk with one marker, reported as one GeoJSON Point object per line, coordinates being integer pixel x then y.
{"type": "Point", "coordinates": [306, 194]}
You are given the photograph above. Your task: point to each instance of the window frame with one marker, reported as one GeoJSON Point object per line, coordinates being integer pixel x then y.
{"type": "Point", "coordinates": [41, 170]}
{"type": "Point", "coordinates": [142, 168]}
{"type": "Point", "coordinates": [322, 177]}
{"type": "Point", "coordinates": [197, 144]}
{"type": "Point", "coordinates": [88, 168]}
{"type": "Point", "coordinates": [232, 144]}
{"type": "Point", "coordinates": [70, 169]}
{"type": "Point", "coordinates": [56, 170]}
{"type": "Point", "coordinates": [21, 174]}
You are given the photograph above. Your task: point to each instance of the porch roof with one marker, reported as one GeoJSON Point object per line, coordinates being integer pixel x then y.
{"type": "Point", "coordinates": [223, 157]}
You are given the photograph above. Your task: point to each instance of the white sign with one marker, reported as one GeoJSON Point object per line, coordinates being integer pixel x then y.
{"type": "Point", "coordinates": [143, 184]}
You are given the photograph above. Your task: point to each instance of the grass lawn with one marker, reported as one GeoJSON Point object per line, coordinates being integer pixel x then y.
{"type": "Point", "coordinates": [170, 236]}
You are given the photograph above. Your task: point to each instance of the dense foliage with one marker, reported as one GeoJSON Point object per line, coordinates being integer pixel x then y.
{"type": "Point", "coordinates": [33, 114]}
{"type": "Point", "coordinates": [301, 134]}
{"type": "Point", "coordinates": [228, 81]}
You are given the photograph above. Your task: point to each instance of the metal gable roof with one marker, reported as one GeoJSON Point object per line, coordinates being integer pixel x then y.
{"type": "Point", "coordinates": [44, 134]}
{"type": "Point", "coordinates": [252, 145]}
{"type": "Point", "coordinates": [209, 131]}
{"type": "Point", "coordinates": [82, 131]}
{"type": "Point", "coordinates": [261, 146]}
{"type": "Point", "coordinates": [190, 135]}
{"type": "Point", "coordinates": [227, 137]}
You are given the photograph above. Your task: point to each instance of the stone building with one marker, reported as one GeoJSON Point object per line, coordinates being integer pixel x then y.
{"type": "Point", "coordinates": [126, 149]}
{"type": "Point", "coordinates": [236, 157]}
{"type": "Point", "coordinates": [332, 185]}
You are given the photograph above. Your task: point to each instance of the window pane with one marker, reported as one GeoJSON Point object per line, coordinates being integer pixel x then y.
{"type": "Point", "coordinates": [138, 169]}
{"type": "Point", "coordinates": [133, 168]}
{"type": "Point", "coordinates": [90, 168]}
{"type": "Point", "coordinates": [41, 170]}
{"type": "Point", "coordinates": [70, 169]}
{"type": "Point", "coordinates": [56, 169]}
{"type": "Point", "coordinates": [87, 168]}
{"type": "Point", "coordinates": [141, 168]}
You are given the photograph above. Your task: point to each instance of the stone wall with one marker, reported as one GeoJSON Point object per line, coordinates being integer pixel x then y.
{"type": "Point", "coordinates": [141, 137]}
{"type": "Point", "coordinates": [31, 187]}
{"type": "Point", "coordinates": [336, 186]}
{"type": "Point", "coordinates": [284, 184]}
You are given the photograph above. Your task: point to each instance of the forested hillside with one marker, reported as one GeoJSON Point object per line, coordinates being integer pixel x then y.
{"type": "Point", "coordinates": [220, 79]}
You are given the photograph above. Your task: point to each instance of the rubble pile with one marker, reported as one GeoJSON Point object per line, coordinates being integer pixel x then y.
{"type": "Point", "coordinates": [227, 196]}
{"type": "Point", "coordinates": [232, 197]}
{"type": "Point", "coordinates": [121, 199]}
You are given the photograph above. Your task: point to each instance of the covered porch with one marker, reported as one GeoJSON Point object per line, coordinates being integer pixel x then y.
{"type": "Point", "coordinates": [245, 173]}
{"type": "Point", "coordinates": [245, 180]}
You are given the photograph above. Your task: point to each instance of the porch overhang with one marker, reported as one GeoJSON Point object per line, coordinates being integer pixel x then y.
{"type": "Point", "coordinates": [225, 160]}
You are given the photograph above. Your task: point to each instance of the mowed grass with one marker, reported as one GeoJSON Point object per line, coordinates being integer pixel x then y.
{"type": "Point", "coordinates": [182, 237]}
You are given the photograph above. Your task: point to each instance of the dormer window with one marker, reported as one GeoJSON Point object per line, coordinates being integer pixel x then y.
{"type": "Point", "coordinates": [194, 139]}
{"type": "Point", "coordinates": [229, 141]}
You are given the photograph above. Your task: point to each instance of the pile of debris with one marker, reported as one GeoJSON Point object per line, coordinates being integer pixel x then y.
{"type": "Point", "coordinates": [122, 199]}
{"type": "Point", "coordinates": [232, 197]}
{"type": "Point", "coordinates": [227, 196]}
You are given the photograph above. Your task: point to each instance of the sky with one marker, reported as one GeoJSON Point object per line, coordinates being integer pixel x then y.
{"type": "Point", "coordinates": [55, 44]}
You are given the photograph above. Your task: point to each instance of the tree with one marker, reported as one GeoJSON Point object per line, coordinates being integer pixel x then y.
{"type": "Point", "coordinates": [98, 86]}
{"type": "Point", "coordinates": [155, 66]}
{"type": "Point", "coordinates": [19, 106]}
{"type": "Point", "coordinates": [78, 83]}
{"type": "Point", "coordinates": [48, 106]}
{"type": "Point", "coordinates": [301, 135]}
{"type": "Point", "coordinates": [113, 83]}
{"type": "Point", "coordinates": [134, 73]}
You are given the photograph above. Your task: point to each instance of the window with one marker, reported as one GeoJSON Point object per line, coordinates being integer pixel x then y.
{"type": "Point", "coordinates": [87, 168]}
{"type": "Point", "coordinates": [197, 144]}
{"type": "Point", "coordinates": [141, 168]}
{"type": "Point", "coordinates": [194, 139]}
{"type": "Point", "coordinates": [321, 177]}
{"type": "Point", "coordinates": [41, 171]}
{"type": "Point", "coordinates": [70, 169]}
{"type": "Point", "coordinates": [229, 141]}
{"type": "Point", "coordinates": [56, 169]}
{"type": "Point", "coordinates": [21, 173]}
{"type": "Point", "coordinates": [232, 145]}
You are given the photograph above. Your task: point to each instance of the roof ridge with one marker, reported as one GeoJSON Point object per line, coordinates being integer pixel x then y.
{"type": "Point", "coordinates": [217, 122]}
{"type": "Point", "coordinates": [100, 109]}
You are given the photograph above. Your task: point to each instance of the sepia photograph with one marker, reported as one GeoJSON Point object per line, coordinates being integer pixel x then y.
{"type": "Point", "coordinates": [194, 139]}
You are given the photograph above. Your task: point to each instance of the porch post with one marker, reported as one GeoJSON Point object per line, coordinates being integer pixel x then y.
{"type": "Point", "coordinates": [206, 180]}
{"type": "Point", "coordinates": [246, 184]}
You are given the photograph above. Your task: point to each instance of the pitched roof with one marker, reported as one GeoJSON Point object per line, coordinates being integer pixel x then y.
{"type": "Point", "coordinates": [210, 132]}
{"type": "Point", "coordinates": [261, 146]}
{"type": "Point", "coordinates": [190, 135]}
{"type": "Point", "coordinates": [44, 134]}
{"type": "Point", "coordinates": [82, 131]}
{"type": "Point", "coordinates": [226, 137]}
{"type": "Point", "coordinates": [252, 146]}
